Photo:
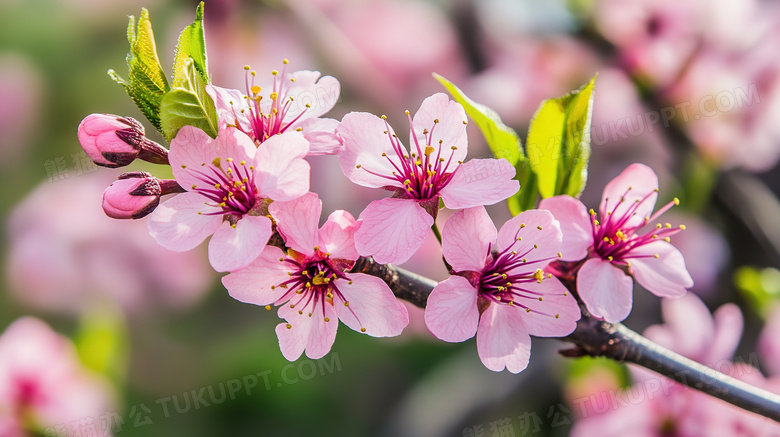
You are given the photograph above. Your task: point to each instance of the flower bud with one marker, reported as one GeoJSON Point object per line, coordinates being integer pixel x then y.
{"type": "Point", "coordinates": [135, 195]}
{"type": "Point", "coordinates": [113, 141]}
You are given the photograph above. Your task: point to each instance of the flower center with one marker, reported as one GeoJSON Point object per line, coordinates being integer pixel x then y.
{"type": "Point", "coordinates": [509, 278]}
{"type": "Point", "coordinates": [311, 284]}
{"type": "Point", "coordinates": [614, 239]}
{"type": "Point", "coordinates": [273, 115]}
{"type": "Point", "coordinates": [229, 185]}
{"type": "Point", "coordinates": [421, 173]}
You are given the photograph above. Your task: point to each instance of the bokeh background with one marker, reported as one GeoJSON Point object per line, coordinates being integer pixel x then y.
{"type": "Point", "coordinates": [149, 343]}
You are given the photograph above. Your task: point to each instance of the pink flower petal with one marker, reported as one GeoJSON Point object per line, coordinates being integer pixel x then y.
{"type": "Point", "coordinates": [534, 234]}
{"type": "Point", "coordinates": [372, 305]}
{"type": "Point", "coordinates": [253, 283]}
{"type": "Point", "coordinates": [605, 289]}
{"type": "Point", "coordinates": [227, 112]}
{"type": "Point", "coordinates": [310, 333]}
{"type": "Point", "coordinates": [337, 235]}
{"type": "Point", "coordinates": [502, 340]}
{"type": "Point", "coordinates": [392, 230]}
{"type": "Point", "coordinates": [480, 182]}
{"type": "Point", "coordinates": [321, 135]}
{"type": "Point", "coordinates": [636, 182]}
{"type": "Point", "coordinates": [365, 139]}
{"type": "Point", "coordinates": [729, 325]}
{"type": "Point", "coordinates": [321, 95]}
{"type": "Point", "coordinates": [688, 326]}
{"type": "Point", "coordinates": [466, 239]}
{"type": "Point", "coordinates": [450, 127]}
{"type": "Point", "coordinates": [769, 342]}
{"type": "Point", "coordinates": [575, 225]}
{"type": "Point", "coordinates": [664, 276]}
{"type": "Point", "coordinates": [233, 248]}
{"type": "Point", "coordinates": [177, 224]}
{"type": "Point", "coordinates": [192, 148]}
{"type": "Point", "coordinates": [555, 315]}
{"type": "Point", "coordinates": [297, 221]}
{"type": "Point", "coordinates": [451, 313]}
{"type": "Point", "coordinates": [281, 172]}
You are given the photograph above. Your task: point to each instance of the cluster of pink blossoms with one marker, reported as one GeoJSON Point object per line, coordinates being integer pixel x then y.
{"type": "Point", "coordinates": [251, 183]}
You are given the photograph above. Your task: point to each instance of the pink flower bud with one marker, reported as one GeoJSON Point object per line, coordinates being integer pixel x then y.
{"type": "Point", "coordinates": [135, 195]}
{"type": "Point", "coordinates": [113, 141]}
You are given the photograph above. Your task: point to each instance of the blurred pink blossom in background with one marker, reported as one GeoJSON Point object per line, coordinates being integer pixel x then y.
{"type": "Point", "coordinates": [66, 254]}
{"type": "Point", "coordinates": [44, 385]}
{"type": "Point", "coordinates": [658, 407]}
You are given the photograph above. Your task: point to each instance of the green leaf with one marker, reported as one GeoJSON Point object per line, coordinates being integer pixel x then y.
{"type": "Point", "coordinates": [101, 341]}
{"type": "Point", "coordinates": [503, 141]}
{"type": "Point", "coordinates": [192, 44]}
{"type": "Point", "coordinates": [146, 83]}
{"type": "Point", "coordinates": [558, 143]}
{"type": "Point", "coordinates": [188, 104]}
{"type": "Point", "coordinates": [759, 287]}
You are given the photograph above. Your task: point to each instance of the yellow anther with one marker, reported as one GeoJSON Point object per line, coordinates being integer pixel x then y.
{"type": "Point", "coordinates": [346, 303]}
{"type": "Point", "coordinates": [522, 225]}
{"type": "Point", "coordinates": [357, 166]}
{"type": "Point", "coordinates": [429, 150]}
{"type": "Point", "coordinates": [557, 315]}
{"type": "Point", "coordinates": [668, 240]}
{"type": "Point", "coordinates": [682, 227]}
{"type": "Point", "coordinates": [285, 61]}
{"type": "Point", "coordinates": [560, 255]}
{"type": "Point", "coordinates": [194, 186]}
{"type": "Point", "coordinates": [539, 227]}
{"type": "Point", "coordinates": [255, 89]}
{"type": "Point", "coordinates": [610, 258]}
{"type": "Point", "coordinates": [289, 326]}
{"type": "Point", "coordinates": [362, 329]}
{"type": "Point", "coordinates": [656, 256]}
{"type": "Point", "coordinates": [247, 68]}
{"type": "Point", "coordinates": [676, 201]}
{"type": "Point", "coordinates": [540, 298]}
{"type": "Point", "coordinates": [539, 275]}
{"type": "Point", "coordinates": [275, 72]}
{"type": "Point", "coordinates": [528, 310]}
{"type": "Point", "coordinates": [268, 307]}
{"type": "Point", "coordinates": [327, 319]}
{"type": "Point", "coordinates": [658, 226]}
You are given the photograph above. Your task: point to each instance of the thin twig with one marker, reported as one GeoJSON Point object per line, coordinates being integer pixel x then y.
{"type": "Point", "coordinates": [596, 338]}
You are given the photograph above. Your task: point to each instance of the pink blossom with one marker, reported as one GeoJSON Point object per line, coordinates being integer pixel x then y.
{"type": "Point", "coordinates": [43, 383]}
{"type": "Point", "coordinates": [499, 289]}
{"type": "Point", "coordinates": [136, 194]}
{"type": "Point", "coordinates": [113, 141]}
{"type": "Point", "coordinates": [229, 183]}
{"type": "Point", "coordinates": [292, 102]}
{"type": "Point", "coordinates": [373, 156]}
{"type": "Point", "coordinates": [615, 244]}
{"type": "Point", "coordinates": [311, 283]}
{"type": "Point", "coordinates": [82, 257]}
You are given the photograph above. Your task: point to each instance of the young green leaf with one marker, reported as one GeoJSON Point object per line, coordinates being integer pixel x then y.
{"type": "Point", "coordinates": [146, 83]}
{"type": "Point", "coordinates": [502, 139]}
{"type": "Point", "coordinates": [503, 142]}
{"type": "Point", "coordinates": [558, 143]}
{"type": "Point", "coordinates": [192, 44]}
{"type": "Point", "coordinates": [188, 104]}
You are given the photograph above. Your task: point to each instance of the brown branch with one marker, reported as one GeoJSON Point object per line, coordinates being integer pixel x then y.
{"type": "Point", "coordinates": [600, 339]}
